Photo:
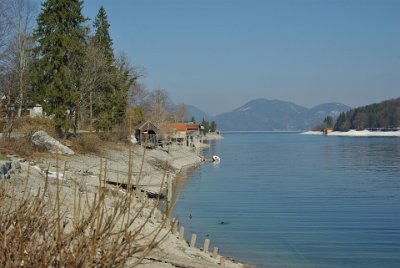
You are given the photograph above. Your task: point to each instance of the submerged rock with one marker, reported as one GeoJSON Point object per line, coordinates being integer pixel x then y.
{"type": "Point", "coordinates": [44, 140]}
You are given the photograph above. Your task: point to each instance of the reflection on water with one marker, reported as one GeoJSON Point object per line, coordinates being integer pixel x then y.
{"type": "Point", "coordinates": [298, 201]}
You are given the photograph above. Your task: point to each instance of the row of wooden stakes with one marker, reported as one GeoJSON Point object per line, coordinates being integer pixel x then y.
{"type": "Point", "coordinates": [192, 244]}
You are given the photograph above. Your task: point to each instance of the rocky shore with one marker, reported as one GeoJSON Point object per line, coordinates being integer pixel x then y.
{"type": "Point", "coordinates": [213, 136]}
{"type": "Point", "coordinates": [148, 169]}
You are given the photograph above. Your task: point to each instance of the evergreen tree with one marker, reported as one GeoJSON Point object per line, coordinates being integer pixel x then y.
{"type": "Point", "coordinates": [206, 126]}
{"type": "Point", "coordinates": [60, 38]}
{"type": "Point", "coordinates": [328, 121]}
{"type": "Point", "coordinates": [122, 81]}
{"type": "Point", "coordinates": [112, 99]}
{"type": "Point", "coordinates": [213, 126]}
{"type": "Point", "coordinates": [102, 38]}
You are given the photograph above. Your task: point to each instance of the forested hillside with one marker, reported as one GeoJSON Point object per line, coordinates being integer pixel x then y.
{"type": "Point", "coordinates": [384, 115]}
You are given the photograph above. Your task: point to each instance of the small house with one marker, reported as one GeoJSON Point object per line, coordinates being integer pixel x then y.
{"type": "Point", "coordinates": [181, 133]}
{"type": "Point", "coordinates": [147, 134]}
{"type": "Point", "coordinates": [328, 130]}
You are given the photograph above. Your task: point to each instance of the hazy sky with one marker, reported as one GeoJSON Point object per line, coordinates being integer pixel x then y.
{"type": "Point", "coordinates": [219, 54]}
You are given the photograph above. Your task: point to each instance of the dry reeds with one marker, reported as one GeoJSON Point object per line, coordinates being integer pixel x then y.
{"type": "Point", "coordinates": [103, 229]}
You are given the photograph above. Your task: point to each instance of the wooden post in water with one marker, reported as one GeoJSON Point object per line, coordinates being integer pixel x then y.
{"type": "Point", "coordinates": [193, 241]}
{"type": "Point", "coordinates": [215, 252]}
{"type": "Point", "coordinates": [181, 233]}
{"type": "Point", "coordinates": [206, 245]}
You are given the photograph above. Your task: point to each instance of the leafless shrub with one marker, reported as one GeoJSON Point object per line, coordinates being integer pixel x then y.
{"type": "Point", "coordinates": [87, 143]}
{"type": "Point", "coordinates": [104, 230]}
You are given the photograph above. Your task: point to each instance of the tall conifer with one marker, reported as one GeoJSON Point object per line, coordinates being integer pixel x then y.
{"type": "Point", "coordinates": [102, 38]}
{"type": "Point", "coordinates": [111, 106]}
{"type": "Point", "coordinates": [60, 38]}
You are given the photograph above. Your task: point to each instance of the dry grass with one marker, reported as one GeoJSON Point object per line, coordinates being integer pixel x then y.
{"type": "Point", "coordinates": [87, 143]}
{"type": "Point", "coordinates": [22, 130]}
{"type": "Point", "coordinates": [118, 135]}
{"type": "Point", "coordinates": [19, 146]}
{"type": "Point", "coordinates": [27, 125]}
{"type": "Point", "coordinates": [95, 143]}
{"type": "Point", "coordinates": [103, 229]}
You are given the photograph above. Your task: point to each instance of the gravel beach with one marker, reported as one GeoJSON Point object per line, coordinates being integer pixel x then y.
{"type": "Point", "coordinates": [84, 170]}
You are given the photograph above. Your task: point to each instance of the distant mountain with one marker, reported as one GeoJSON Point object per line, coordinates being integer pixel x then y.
{"type": "Point", "coordinates": [317, 114]}
{"type": "Point", "coordinates": [197, 113]}
{"type": "Point", "coordinates": [276, 115]}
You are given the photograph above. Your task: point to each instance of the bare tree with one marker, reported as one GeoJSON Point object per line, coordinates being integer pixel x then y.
{"type": "Point", "coordinates": [157, 103]}
{"type": "Point", "coordinates": [23, 16]}
{"type": "Point", "coordinates": [15, 50]}
{"type": "Point", "coordinates": [137, 95]}
{"type": "Point", "coordinates": [95, 74]}
{"type": "Point", "coordinates": [181, 113]}
{"type": "Point", "coordinates": [5, 26]}
{"type": "Point", "coordinates": [16, 23]}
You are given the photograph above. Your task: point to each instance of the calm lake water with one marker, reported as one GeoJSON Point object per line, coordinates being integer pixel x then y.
{"type": "Point", "coordinates": [291, 200]}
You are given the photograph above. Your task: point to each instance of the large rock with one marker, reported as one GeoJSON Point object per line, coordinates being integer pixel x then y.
{"type": "Point", "coordinates": [42, 139]}
{"type": "Point", "coordinates": [7, 167]}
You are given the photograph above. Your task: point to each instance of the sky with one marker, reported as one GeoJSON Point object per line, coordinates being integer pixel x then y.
{"type": "Point", "coordinates": [219, 54]}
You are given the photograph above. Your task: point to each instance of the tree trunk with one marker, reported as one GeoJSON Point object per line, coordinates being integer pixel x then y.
{"type": "Point", "coordinates": [91, 110]}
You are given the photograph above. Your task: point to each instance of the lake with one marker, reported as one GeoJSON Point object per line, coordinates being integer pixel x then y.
{"type": "Point", "coordinates": [292, 200]}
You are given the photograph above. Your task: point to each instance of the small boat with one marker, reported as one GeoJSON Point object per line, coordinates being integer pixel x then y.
{"type": "Point", "coordinates": [216, 158]}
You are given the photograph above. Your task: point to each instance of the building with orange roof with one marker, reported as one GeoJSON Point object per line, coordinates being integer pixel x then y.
{"type": "Point", "coordinates": [183, 133]}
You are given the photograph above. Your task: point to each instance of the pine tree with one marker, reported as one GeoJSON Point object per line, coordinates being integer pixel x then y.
{"type": "Point", "coordinates": [206, 126]}
{"type": "Point", "coordinates": [60, 38]}
{"type": "Point", "coordinates": [110, 109]}
{"type": "Point", "coordinates": [213, 127]}
{"type": "Point", "coordinates": [328, 121]}
{"type": "Point", "coordinates": [105, 101]}
{"type": "Point", "coordinates": [102, 38]}
{"type": "Point", "coordinates": [103, 106]}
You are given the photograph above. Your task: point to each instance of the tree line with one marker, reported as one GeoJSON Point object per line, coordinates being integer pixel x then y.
{"type": "Point", "coordinates": [383, 115]}
{"type": "Point", "coordinates": [207, 127]}
{"type": "Point", "coordinates": [65, 62]}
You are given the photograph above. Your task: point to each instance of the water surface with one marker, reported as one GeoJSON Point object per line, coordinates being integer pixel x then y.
{"type": "Point", "coordinates": [291, 200]}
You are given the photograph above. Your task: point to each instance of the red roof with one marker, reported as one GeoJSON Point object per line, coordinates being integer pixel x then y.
{"type": "Point", "coordinates": [181, 126]}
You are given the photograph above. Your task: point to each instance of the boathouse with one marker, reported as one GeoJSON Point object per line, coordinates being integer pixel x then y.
{"type": "Point", "coordinates": [147, 133]}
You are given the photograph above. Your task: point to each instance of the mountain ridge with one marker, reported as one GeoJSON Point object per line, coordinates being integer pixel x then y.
{"type": "Point", "coordinates": [274, 115]}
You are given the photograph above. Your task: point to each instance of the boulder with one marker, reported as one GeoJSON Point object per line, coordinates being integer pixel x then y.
{"type": "Point", "coordinates": [7, 167]}
{"type": "Point", "coordinates": [44, 140]}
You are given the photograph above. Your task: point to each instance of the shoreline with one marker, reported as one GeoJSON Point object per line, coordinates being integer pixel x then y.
{"type": "Point", "coordinates": [173, 251]}
{"type": "Point", "coordinates": [212, 136]}
{"type": "Point", "coordinates": [356, 133]}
